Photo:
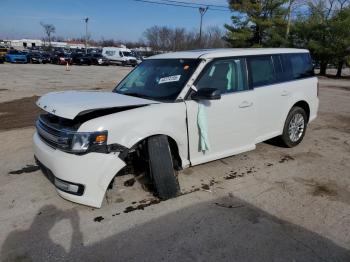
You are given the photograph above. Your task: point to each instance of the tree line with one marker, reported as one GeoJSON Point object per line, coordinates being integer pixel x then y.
{"type": "Point", "coordinates": [322, 26]}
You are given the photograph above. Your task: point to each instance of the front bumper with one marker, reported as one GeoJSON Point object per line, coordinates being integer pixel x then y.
{"type": "Point", "coordinates": [131, 62]}
{"type": "Point", "coordinates": [94, 171]}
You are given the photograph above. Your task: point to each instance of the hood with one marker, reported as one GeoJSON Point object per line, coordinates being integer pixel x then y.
{"type": "Point", "coordinates": [70, 104]}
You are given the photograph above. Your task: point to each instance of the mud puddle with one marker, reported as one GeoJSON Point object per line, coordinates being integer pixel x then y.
{"type": "Point", "coordinates": [98, 219]}
{"type": "Point", "coordinates": [26, 169]}
{"type": "Point", "coordinates": [329, 189]}
{"type": "Point", "coordinates": [285, 158]}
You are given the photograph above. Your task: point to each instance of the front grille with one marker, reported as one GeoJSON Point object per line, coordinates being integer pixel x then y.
{"type": "Point", "coordinates": [52, 136]}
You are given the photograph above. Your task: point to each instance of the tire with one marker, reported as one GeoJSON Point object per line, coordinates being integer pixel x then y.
{"type": "Point", "coordinates": [161, 168]}
{"type": "Point", "coordinates": [294, 127]}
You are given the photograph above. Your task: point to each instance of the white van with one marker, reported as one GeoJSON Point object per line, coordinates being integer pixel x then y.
{"type": "Point", "coordinates": [120, 55]}
{"type": "Point", "coordinates": [174, 111]}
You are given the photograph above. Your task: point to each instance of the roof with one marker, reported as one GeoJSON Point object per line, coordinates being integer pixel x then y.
{"type": "Point", "coordinates": [226, 52]}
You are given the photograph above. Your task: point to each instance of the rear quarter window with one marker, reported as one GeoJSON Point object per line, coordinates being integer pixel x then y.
{"type": "Point", "coordinates": [297, 66]}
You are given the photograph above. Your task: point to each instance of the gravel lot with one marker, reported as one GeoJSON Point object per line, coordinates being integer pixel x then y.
{"type": "Point", "coordinates": [271, 204]}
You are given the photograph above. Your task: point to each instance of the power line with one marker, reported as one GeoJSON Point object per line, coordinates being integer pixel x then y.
{"type": "Point", "coordinates": [179, 5]}
{"type": "Point", "coordinates": [198, 4]}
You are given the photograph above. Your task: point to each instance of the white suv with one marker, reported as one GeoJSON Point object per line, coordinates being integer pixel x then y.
{"type": "Point", "coordinates": [174, 111]}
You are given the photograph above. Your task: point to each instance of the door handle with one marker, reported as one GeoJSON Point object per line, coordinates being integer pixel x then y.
{"type": "Point", "coordinates": [245, 104]}
{"type": "Point", "coordinates": [285, 93]}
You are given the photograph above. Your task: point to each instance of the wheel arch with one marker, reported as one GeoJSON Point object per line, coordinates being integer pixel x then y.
{"type": "Point", "coordinates": [304, 105]}
{"type": "Point", "coordinates": [174, 148]}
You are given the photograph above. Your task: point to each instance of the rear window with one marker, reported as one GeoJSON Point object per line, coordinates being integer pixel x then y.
{"type": "Point", "coordinates": [297, 66]}
{"type": "Point", "coordinates": [261, 70]}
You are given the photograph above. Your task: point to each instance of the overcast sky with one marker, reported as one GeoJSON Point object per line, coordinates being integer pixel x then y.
{"type": "Point", "coordinates": [118, 19]}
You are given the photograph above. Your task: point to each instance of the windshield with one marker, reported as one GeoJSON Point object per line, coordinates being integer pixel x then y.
{"type": "Point", "coordinates": [127, 54]}
{"type": "Point", "coordinates": [15, 52]}
{"type": "Point", "coordinates": [158, 79]}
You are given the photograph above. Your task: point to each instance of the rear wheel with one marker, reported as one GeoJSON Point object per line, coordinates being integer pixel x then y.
{"type": "Point", "coordinates": [294, 127]}
{"type": "Point", "coordinates": [161, 167]}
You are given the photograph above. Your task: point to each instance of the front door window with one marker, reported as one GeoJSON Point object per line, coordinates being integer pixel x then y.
{"type": "Point", "coordinates": [226, 75]}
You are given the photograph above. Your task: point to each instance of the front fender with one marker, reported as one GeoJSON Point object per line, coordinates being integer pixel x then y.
{"type": "Point", "coordinates": [129, 127]}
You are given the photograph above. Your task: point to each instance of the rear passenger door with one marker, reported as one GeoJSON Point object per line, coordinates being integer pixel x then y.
{"type": "Point", "coordinates": [231, 120]}
{"type": "Point", "coordinates": [271, 96]}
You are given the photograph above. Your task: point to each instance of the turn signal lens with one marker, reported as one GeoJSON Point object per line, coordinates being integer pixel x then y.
{"type": "Point", "coordinates": [101, 139]}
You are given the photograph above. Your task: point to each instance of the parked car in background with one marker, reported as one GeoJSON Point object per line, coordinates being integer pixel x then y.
{"type": "Point", "coordinates": [39, 58]}
{"type": "Point", "coordinates": [61, 58]}
{"type": "Point", "coordinates": [99, 59]}
{"type": "Point", "coordinates": [3, 52]}
{"type": "Point", "coordinates": [15, 56]}
{"type": "Point", "coordinates": [81, 59]}
{"type": "Point", "coordinates": [119, 56]}
{"type": "Point", "coordinates": [138, 56]}
{"type": "Point", "coordinates": [46, 57]}
{"type": "Point", "coordinates": [174, 111]}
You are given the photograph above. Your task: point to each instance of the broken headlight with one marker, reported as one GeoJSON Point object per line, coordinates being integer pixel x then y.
{"type": "Point", "coordinates": [85, 141]}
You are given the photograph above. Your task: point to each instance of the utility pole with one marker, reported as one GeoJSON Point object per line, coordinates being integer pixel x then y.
{"type": "Point", "coordinates": [202, 11]}
{"type": "Point", "coordinates": [86, 33]}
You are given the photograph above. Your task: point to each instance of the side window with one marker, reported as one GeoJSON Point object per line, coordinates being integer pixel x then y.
{"type": "Point", "coordinates": [120, 54]}
{"type": "Point", "coordinates": [110, 53]}
{"type": "Point", "coordinates": [226, 75]}
{"type": "Point", "coordinates": [261, 70]}
{"type": "Point", "coordinates": [277, 64]}
{"type": "Point", "coordinates": [297, 66]}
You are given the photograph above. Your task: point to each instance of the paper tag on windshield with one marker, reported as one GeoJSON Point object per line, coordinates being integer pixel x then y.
{"type": "Point", "coordinates": [169, 79]}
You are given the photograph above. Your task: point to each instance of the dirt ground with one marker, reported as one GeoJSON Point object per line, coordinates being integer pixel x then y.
{"type": "Point", "coordinates": [270, 204]}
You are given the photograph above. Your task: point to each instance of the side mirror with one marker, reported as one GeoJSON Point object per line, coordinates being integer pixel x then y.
{"type": "Point", "coordinates": [207, 94]}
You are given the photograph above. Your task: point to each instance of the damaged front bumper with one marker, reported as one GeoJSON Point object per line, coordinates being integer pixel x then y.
{"type": "Point", "coordinates": [89, 174]}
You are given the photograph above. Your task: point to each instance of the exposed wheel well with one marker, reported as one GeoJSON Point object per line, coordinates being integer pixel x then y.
{"type": "Point", "coordinates": [304, 105]}
{"type": "Point", "coordinates": [175, 152]}
{"type": "Point", "coordinates": [139, 149]}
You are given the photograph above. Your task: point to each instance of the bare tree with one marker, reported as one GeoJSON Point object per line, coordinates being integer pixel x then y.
{"type": "Point", "coordinates": [292, 5]}
{"type": "Point", "coordinates": [327, 8]}
{"type": "Point", "coordinates": [49, 29]}
{"type": "Point", "coordinates": [163, 38]}
{"type": "Point", "coordinates": [214, 37]}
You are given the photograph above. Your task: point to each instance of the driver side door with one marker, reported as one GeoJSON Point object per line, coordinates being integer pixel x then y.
{"type": "Point", "coordinates": [231, 120]}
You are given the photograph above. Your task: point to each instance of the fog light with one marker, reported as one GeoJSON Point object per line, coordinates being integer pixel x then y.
{"type": "Point", "coordinates": [68, 187]}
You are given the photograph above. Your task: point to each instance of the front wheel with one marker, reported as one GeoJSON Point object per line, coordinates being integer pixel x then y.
{"type": "Point", "coordinates": [294, 127]}
{"type": "Point", "coordinates": [161, 167]}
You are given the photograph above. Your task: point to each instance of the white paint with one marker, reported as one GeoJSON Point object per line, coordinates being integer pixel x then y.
{"type": "Point", "coordinates": [236, 123]}
{"type": "Point", "coordinates": [226, 52]}
{"type": "Point", "coordinates": [69, 104]}
{"type": "Point", "coordinates": [117, 55]}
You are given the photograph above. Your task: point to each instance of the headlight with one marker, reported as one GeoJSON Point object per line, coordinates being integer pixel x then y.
{"type": "Point", "coordinates": [82, 142]}
{"type": "Point", "coordinates": [100, 60]}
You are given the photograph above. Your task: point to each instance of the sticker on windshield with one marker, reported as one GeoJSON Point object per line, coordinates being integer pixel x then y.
{"type": "Point", "coordinates": [169, 79]}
